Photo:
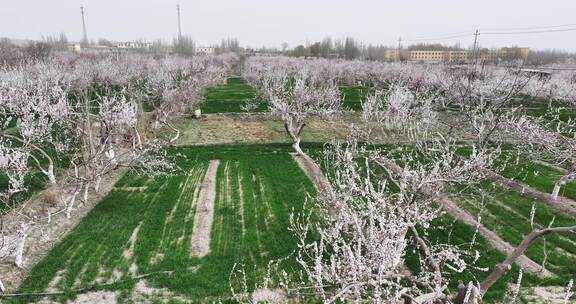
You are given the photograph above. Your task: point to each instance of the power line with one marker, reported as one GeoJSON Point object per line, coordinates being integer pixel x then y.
{"type": "Point", "coordinates": [530, 32]}
{"type": "Point", "coordinates": [497, 31]}
{"type": "Point", "coordinates": [528, 28]}
{"type": "Point", "coordinates": [440, 35]}
{"type": "Point", "coordinates": [440, 38]}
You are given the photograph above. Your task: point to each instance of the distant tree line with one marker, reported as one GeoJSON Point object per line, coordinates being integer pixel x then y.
{"type": "Point", "coordinates": [184, 45]}
{"type": "Point", "coordinates": [350, 49]}
{"type": "Point", "coordinates": [543, 57]}
{"type": "Point", "coordinates": [12, 54]}
{"type": "Point", "coordinates": [347, 48]}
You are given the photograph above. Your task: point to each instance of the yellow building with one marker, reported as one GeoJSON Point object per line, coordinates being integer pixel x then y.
{"type": "Point", "coordinates": [514, 53]}
{"type": "Point", "coordinates": [392, 55]}
{"type": "Point", "coordinates": [486, 55]}
{"type": "Point", "coordinates": [457, 56]}
{"type": "Point", "coordinates": [426, 55]}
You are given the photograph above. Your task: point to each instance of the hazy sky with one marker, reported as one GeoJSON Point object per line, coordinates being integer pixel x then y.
{"type": "Point", "coordinates": [270, 22]}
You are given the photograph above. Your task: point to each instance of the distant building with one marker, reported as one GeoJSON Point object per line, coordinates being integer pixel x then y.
{"type": "Point", "coordinates": [486, 55]}
{"type": "Point", "coordinates": [205, 50]}
{"type": "Point", "coordinates": [455, 56]}
{"type": "Point", "coordinates": [427, 55]}
{"type": "Point", "coordinates": [136, 45]}
{"type": "Point", "coordinates": [75, 47]}
{"type": "Point", "coordinates": [392, 55]}
{"type": "Point", "coordinates": [514, 53]}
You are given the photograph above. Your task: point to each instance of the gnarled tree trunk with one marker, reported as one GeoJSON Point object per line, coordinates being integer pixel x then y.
{"type": "Point", "coordinates": [570, 176]}
{"type": "Point", "coordinates": [294, 134]}
{"type": "Point", "coordinates": [19, 254]}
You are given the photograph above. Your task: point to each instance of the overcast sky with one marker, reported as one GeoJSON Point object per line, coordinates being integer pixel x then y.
{"type": "Point", "coordinates": [270, 22]}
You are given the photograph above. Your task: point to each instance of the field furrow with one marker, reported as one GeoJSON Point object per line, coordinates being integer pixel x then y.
{"type": "Point", "coordinates": [146, 226]}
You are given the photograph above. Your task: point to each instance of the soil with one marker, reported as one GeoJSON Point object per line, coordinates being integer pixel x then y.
{"type": "Point", "coordinates": [312, 170]}
{"type": "Point", "coordinates": [453, 209]}
{"type": "Point", "coordinates": [264, 128]}
{"type": "Point", "coordinates": [544, 295]}
{"type": "Point", "coordinates": [563, 204]}
{"type": "Point", "coordinates": [200, 242]}
{"type": "Point", "coordinates": [43, 234]}
{"type": "Point", "coordinates": [498, 243]}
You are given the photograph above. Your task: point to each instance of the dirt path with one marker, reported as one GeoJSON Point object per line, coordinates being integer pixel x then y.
{"type": "Point", "coordinates": [547, 164]}
{"type": "Point", "coordinates": [459, 213]}
{"type": "Point", "coordinates": [200, 242]}
{"type": "Point", "coordinates": [563, 204]}
{"type": "Point", "coordinates": [498, 243]}
{"type": "Point", "coordinates": [312, 170]}
{"type": "Point", "coordinates": [242, 128]}
{"type": "Point", "coordinates": [317, 177]}
{"type": "Point", "coordinates": [43, 235]}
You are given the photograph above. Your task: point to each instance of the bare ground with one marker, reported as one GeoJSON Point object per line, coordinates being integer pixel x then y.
{"type": "Point", "coordinates": [545, 295]}
{"type": "Point", "coordinates": [563, 204]}
{"type": "Point", "coordinates": [498, 243]}
{"type": "Point", "coordinates": [43, 235]}
{"type": "Point", "coordinates": [265, 128]}
{"type": "Point", "coordinates": [200, 241]}
{"type": "Point", "coordinates": [313, 171]}
{"type": "Point", "coordinates": [547, 164]}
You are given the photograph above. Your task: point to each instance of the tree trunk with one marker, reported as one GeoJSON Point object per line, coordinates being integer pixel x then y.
{"type": "Point", "coordinates": [556, 190]}
{"type": "Point", "coordinates": [138, 138]}
{"type": "Point", "coordinates": [570, 176]}
{"type": "Point", "coordinates": [85, 197]}
{"type": "Point", "coordinates": [294, 135]}
{"type": "Point", "coordinates": [111, 155]}
{"type": "Point", "coordinates": [296, 146]}
{"type": "Point", "coordinates": [474, 296]}
{"type": "Point", "coordinates": [50, 174]}
{"type": "Point", "coordinates": [19, 261]}
{"type": "Point", "coordinates": [72, 201]}
{"type": "Point", "coordinates": [175, 138]}
{"type": "Point", "coordinates": [502, 268]}
{"type": "Point", "coordinates": [156, 124]}
{"type": "Point", "coordinates": [97, 183]}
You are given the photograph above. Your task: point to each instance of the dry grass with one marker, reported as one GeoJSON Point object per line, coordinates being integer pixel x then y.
{"type": "Point", "coordinates": [244, 128]}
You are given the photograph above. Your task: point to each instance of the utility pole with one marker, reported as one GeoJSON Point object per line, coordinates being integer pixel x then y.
{"type": "Point", "coordinates": [474, 50]}
{"type": "Point", "coordinates": [399, 47]}
{"type": "Point", "coordinates": [85, 37]}
{"type": "Point", "coordinates": [179, 24]}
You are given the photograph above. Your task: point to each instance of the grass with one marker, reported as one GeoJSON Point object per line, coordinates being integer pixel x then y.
{"type": "Point", "coordinates": [448, 230]}
{"type": "Point", "coordinates": [34, 181]}
{"type": "Point", "coordinates": [235, 94]}
{"type": "Point", "coordinates": [231, 97]}
{"type": "Point", "coordinates": [162, 208]}
{"type": "Point", "coordinates": [508, 213]}
{"type": "Point", "coordinates": [539, 176]}
{"type": "Point", "coordinates": [263, 177]}
{"type": "Point", "coordinates": [540, 107]}
{"type": "Point", "coordinates": [353, 96]}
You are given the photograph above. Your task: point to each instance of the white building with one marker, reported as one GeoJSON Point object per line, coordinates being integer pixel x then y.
{"type": "Point", "coordinates": [205, 50]}
{"type": "Point", "coordinates": [75, 47]}
{"type": "Point", "coordinates": [134, 45]}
